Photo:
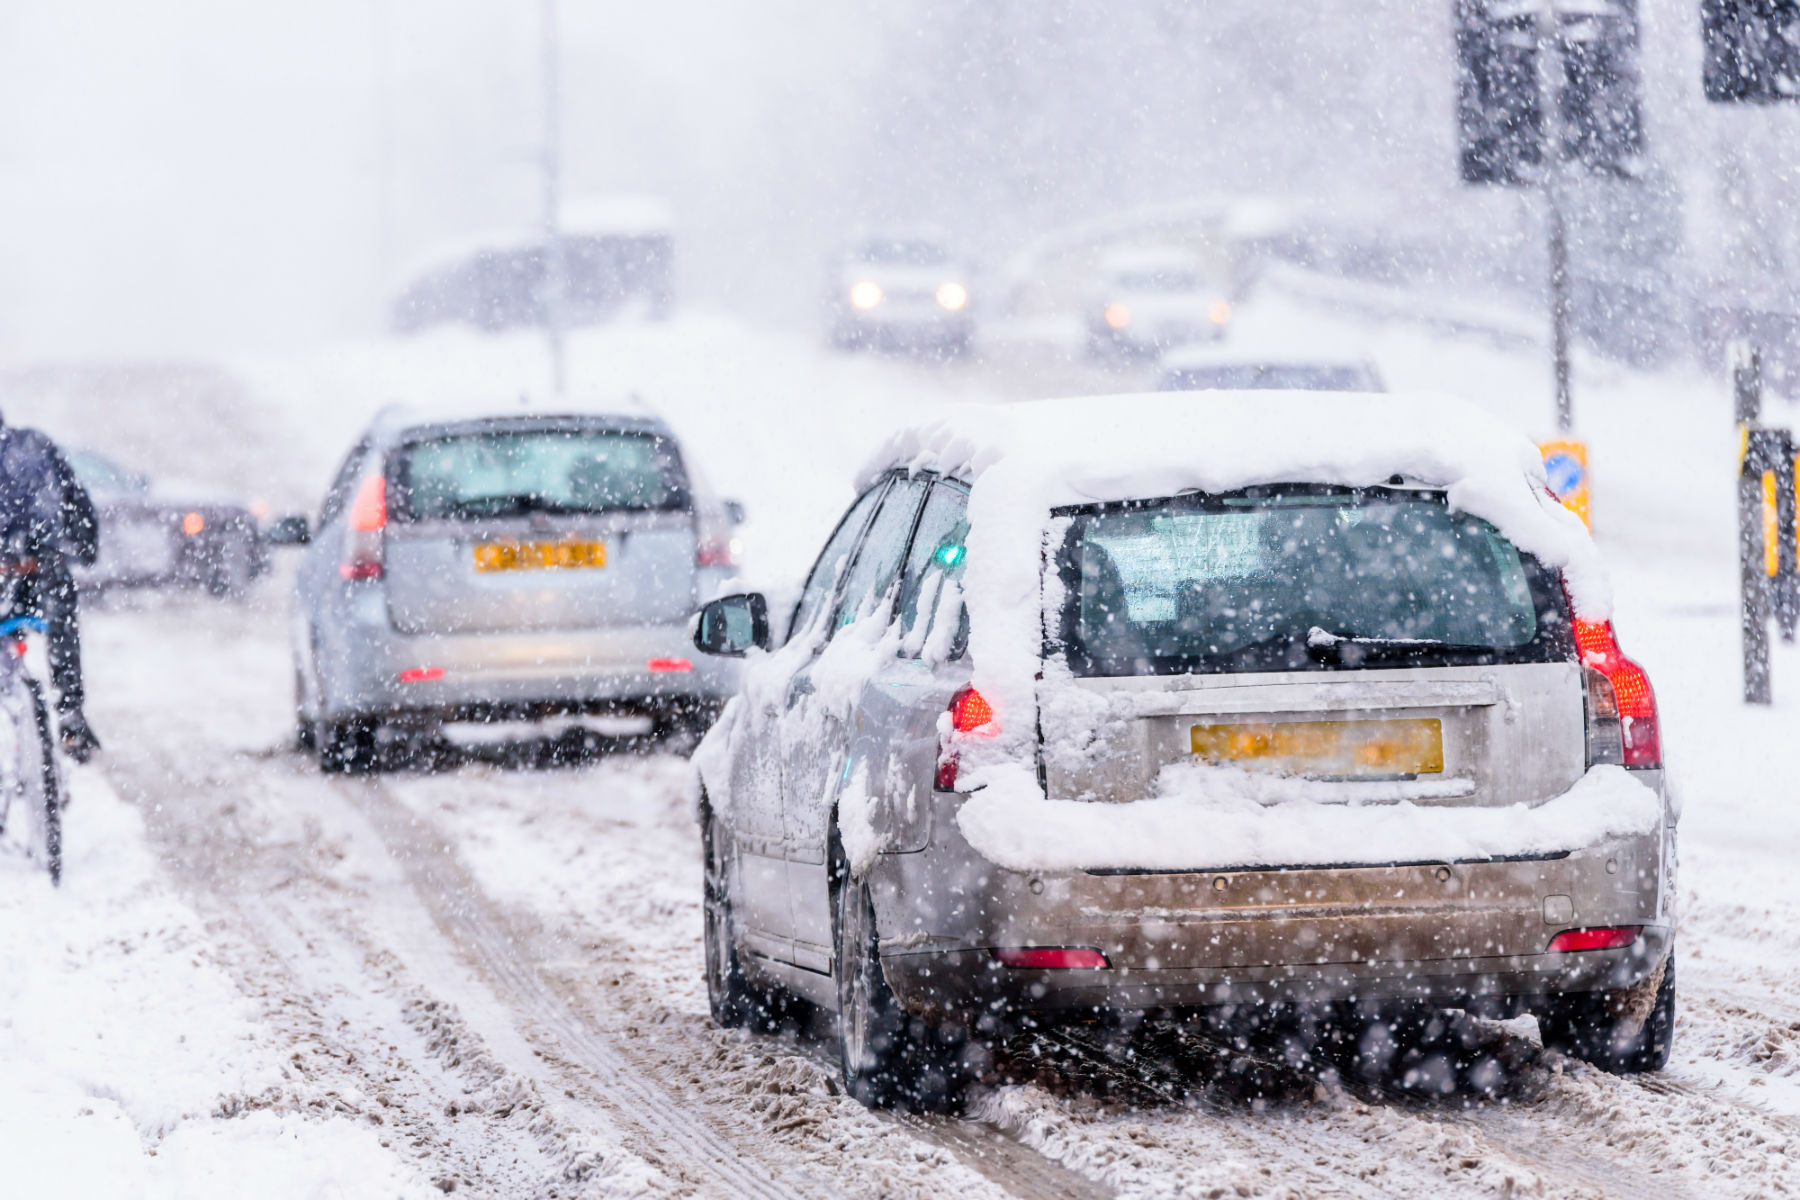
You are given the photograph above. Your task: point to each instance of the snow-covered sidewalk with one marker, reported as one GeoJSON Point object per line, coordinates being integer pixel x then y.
{"type": "Point", "coordinates": [130, 1061]}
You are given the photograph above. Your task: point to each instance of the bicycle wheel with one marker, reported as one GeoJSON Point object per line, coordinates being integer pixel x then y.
{"type": "Point", "coordinates": [37, 761]}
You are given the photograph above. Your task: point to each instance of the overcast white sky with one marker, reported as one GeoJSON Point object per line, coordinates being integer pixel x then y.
{"type": "Point", "coordinates": [190, 176]}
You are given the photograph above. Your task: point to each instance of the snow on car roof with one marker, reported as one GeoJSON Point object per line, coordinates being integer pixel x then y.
{"type": "Point", "coordinates": [399, 417]}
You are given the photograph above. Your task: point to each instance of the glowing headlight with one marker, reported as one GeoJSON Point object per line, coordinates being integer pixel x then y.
{"type": "Point", "coordinates": [953, 296]}
{"type": "Point", "coordinates": [1219, 311]}
{"type": "Point", "coordinates": [866, 294]}
{"type": "Point", "coordinates": [1117, 316]}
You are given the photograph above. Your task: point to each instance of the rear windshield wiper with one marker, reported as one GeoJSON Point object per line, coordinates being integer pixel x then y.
{"type": "Point", "coordinates": [1327, 647]}
{"type": "Point", "coordinates": [513, 505]}
{"type": "Point", "coordinates": [1320, 638]}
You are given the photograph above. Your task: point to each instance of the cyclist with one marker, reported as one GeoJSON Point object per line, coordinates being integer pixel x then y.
{"type": "Point", "coordinates": [44, 507]}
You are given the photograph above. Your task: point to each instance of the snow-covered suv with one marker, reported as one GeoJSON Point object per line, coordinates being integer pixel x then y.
{"type": "Point", "coordinates": [1132, 704]}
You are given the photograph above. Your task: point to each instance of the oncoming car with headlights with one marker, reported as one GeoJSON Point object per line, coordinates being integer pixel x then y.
{"type": "Point", "coordinates": [505, 567]}
{"type": "Point", "coordinates": [1134, 706]}
{"type": "Point", "coordinates": [899, 292]}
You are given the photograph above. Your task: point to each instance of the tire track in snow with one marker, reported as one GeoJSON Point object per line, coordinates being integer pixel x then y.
{"type": "Point", "coordinates": [985, 1148]}
{"type": "Point", "coordinates": [465, 916]}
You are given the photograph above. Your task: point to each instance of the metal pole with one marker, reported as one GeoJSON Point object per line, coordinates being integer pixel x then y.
{"type": "Point", "coordinates": [385, 224]}
{"type": "Point", "coordinates": [1550, 81]}
{"type": "Point", "coordinates": [1559, 308]}
{"type": "Point", "coordinates": [554, 274]}
{"type": "Point", "coordinates": [1753, 611]}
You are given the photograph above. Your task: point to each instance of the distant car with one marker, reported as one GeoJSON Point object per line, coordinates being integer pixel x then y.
{"type": "Point", "coordinates": [1204, 368]}
{"type": "Point", "coordinates": [512, 567]}
{"type": "Point", "coordinates": [1146, 299]}
{"type": "Point", "coordinates": [899, 292]}
{"type": "Point", "coordinates": [615, 252]}
{"type": "Point", "coordinates": [1217, 709]}
{"type": "Point", "coordinates": [166, 534]}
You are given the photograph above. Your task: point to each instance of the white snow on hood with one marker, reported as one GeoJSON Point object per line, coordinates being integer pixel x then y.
{"type": "Point", "coordinates": [1204, 819]}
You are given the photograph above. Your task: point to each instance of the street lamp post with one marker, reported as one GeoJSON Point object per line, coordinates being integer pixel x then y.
{"type": "Point", "coordinates": [555, 274]}
{"type": "Point", "coordinates": [1551, 76]}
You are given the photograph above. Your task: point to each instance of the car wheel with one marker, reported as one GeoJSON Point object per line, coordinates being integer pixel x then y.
{"type": "Point", "coordinates": [734, 1000]}
{"type": "Point", "coordinates": [889, 1057]}
{"type": "Point", "coordinates": [232, 568]}
{"type": "Point", "coordinates": [347, 747]}
{"type": "Point", "coordinates": [1624, 1032]}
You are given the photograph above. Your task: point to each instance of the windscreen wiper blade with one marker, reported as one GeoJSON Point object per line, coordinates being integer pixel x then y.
{"type": "Point", "coordinates": [1317, 637]}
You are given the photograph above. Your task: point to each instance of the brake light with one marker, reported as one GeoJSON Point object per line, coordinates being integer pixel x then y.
{"type": "Point", "coordinates": [1052, 958]}
{"type": "Point", "coordinates": [366, 525]}
{"type": "Point", "coordinates": [1621, 706]}
{"type": "Point", "coordinates": [666, 665]}
{"type": "Point", "coordinates": [716, 552]}
{"type": "Point", "coordinates": [421, 675]}
{"type": "Point", "coordinates": [970, 715]}
{"type": "Point", "coordinates": [970, 712]}
{"type": "Point", "coordinates": [1609, 937]}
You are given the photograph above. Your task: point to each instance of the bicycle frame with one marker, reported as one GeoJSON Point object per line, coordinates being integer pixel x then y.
{"type": "Point", "coordinates": [22, 704]}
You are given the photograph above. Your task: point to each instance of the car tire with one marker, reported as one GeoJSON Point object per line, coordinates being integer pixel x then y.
{"type": "Point", "coordinates": [306, 734]}
{"type": "Point", "coordinates": [1601, 1027]}
{"type": "Point", "coordinates": [889, 1057]}
{"type": "Point", "coordinates": [735, 1002]}
{"type": "Point", "coordinates": [232, 568]}
{"type": "Point", "coordinates": [347, 747]}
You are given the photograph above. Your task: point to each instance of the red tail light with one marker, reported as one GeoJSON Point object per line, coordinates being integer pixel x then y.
{"type": "Point", "coordinates": [716, 552]}
{"type": "Point", "coordinates": [667, 665]}
{"type": "Point", "coordinates": [366, 523]}
{"type": "Point", "coordinates": [1622, 724]}
{"type": "Point", "coordinates": [421, 675]}
{"type": "Point", "coordinates": [970, 714]}
{"type": "Point", "coordinates": [1609, 937]}
{"type": "Point", "coordinates": [1052, 958]}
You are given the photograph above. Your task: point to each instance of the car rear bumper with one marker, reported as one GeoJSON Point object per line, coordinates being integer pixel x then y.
{"type": "Point", "coordinates": [1445, 932]}
{"type": "Point", "coordinates": [646, 668]}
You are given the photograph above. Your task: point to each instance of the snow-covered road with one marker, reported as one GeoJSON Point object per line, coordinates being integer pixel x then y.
{"type": "Point", "coordinates": [487, 979]}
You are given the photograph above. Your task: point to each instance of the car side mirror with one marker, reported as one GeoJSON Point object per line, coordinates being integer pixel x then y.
{"type": "Point", "coordinates": [290, 530]}
{"type": "Point", "coordinates": [731, 625]}
{"type": "Point", "coordinates": [734, 509]}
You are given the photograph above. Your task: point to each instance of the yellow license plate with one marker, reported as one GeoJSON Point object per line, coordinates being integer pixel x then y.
{"type": "Point", "coordinates": [539, 556]}
{"type": "Point", "coordinates": [1330, 748]}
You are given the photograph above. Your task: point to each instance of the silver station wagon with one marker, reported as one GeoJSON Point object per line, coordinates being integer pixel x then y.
{"type": "Point", "coordinates": [1286, 703]}
{"type": "Point", "coordinates": [504, 567]}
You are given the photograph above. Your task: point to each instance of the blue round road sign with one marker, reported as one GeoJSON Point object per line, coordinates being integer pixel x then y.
{"type": "Point", "coordinates": [1565, 471]}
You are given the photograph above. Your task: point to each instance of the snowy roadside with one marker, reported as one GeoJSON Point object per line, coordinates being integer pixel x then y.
{"type": "Point", "coordinates": [128, 1054]}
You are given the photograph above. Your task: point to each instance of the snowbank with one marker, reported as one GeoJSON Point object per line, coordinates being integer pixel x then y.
{"type": "Point", "coordinates": [124, 1045]}
{"type": "Point", "coordinates": [1205, 820]}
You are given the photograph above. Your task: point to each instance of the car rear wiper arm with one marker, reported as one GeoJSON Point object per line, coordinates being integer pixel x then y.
{"type": "Point", "coordinates": [510, 505]}
{"type": "Point", "coordinates": [1317, 637]}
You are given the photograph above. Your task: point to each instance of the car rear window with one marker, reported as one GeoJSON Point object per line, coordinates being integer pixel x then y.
{"type": "Point", "coordinates": [1300, 578]}
{"type": "Point", "coordinates": [514, 472]}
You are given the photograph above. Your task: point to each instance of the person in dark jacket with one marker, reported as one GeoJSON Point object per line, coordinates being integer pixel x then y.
{"type": "Point", "coordinates": [45, 510]}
